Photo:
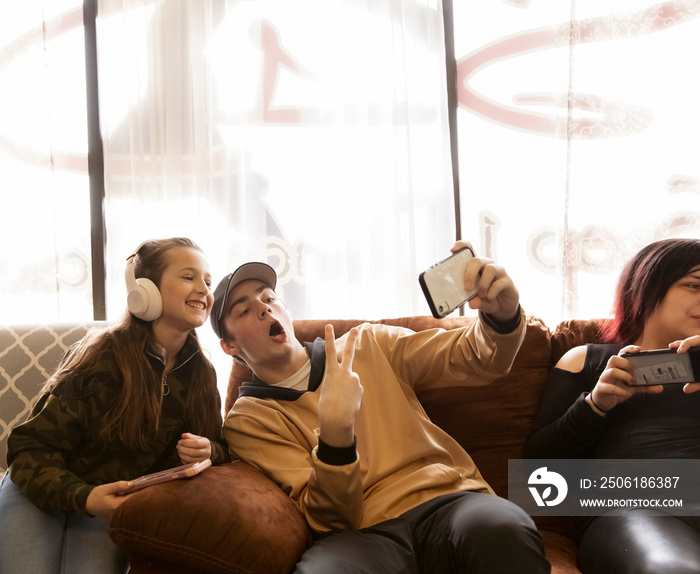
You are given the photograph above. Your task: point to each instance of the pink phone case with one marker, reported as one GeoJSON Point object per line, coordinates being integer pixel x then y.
{"type": "Point", "coordinates": [184, 471]}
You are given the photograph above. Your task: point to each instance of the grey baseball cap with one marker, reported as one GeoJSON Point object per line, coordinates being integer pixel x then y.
{"type": "Point", "coordinates": [253, 270]}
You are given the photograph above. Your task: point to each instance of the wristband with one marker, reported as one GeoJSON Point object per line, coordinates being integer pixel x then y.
{"type": "Point", "coordinates": [337, 456]}
{"type": "Point", "coordinates": [503, 327]}
{"type": "Point", "coordinates": [590, 396]}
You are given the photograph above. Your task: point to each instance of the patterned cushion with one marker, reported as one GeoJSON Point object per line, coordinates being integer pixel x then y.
{"type": "Point", "coordinates": [28, 356]}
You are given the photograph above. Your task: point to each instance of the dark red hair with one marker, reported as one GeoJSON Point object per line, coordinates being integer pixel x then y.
{"type": "Point", "coordinates": [643, 285]}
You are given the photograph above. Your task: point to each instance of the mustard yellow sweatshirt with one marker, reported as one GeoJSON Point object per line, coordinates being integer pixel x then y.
{"type": "Point", "coordinates": [402, 458]}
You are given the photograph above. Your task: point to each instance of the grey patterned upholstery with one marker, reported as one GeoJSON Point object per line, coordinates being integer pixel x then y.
{"type": "Point", "coordinates": [28, 356]}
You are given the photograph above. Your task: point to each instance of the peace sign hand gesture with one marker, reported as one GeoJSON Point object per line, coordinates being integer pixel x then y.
{"type": "Point", "coordinates": [341, 392]}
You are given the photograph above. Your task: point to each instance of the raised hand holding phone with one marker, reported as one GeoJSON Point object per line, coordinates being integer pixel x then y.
{"type": "Point", "coordinates": [443, 284]}
{"type": "Point", "coordinates": [496, 292]}
{"type": "Point", "coordinates": [463, 278]}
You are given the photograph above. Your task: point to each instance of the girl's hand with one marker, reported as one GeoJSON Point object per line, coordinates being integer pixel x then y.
{"type": "Point", "coordinates": [193, 448]}
{"type": "Point", "coordinates": [617, 383]}
{"type": "Point", "coordinates": [106, 498]}
{"type": "Point", "coordinates": [683, 347]}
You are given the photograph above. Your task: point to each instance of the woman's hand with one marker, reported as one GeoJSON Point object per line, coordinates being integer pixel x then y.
{"type": "Point", "coordinates": [106, 498]}
{"type": "Point", "coordinates": [683, 347]}
{"type": "Point", "coordinates": [617, 383]}
{"type": "Point", "coordinates": [193, 448]}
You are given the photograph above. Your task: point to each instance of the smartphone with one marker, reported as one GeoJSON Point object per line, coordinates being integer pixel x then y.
{"type": "Point", "coordinates": [665, 366]}
{"type": "Point", "coordinates": [184, 471]}
{"type": "Point", "coordinates": [443, 283]}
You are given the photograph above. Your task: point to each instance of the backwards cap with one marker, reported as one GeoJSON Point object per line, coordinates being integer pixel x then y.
{"type": "Point", "coordinates": [254, 270]}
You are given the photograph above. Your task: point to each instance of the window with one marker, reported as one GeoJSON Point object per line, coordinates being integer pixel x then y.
{"type": "Point", "coordinates": [45, 221]}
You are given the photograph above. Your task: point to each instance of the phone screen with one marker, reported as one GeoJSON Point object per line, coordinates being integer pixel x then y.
{"type": "Point", "coordinates": [661, 367]}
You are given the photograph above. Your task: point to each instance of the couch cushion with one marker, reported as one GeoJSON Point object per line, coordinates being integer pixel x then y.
{"type": "Point", "coordinates": [230, 518]}
{"type": "Point", "coordinates": [572, 333]}
{"type": "Point", "coordinates": [561, 552]}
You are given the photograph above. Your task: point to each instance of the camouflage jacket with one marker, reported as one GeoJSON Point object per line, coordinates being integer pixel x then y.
{"type": "Point", "coordinates": [58, 455]}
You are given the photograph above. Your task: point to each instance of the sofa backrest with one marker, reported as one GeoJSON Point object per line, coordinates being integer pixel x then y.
{"type": "Point", "coordinates": [28, 356]}
{"type": "Point", "coordinates": [572, 333]}
{"type": "Point", "coordinates": [491, 422]}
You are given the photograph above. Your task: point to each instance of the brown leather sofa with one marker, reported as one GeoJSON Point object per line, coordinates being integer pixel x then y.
{"type": "Point", "coordinates": [232, 519]}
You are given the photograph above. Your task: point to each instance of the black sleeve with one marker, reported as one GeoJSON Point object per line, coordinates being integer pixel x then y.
{"type": "Point", "coordinates": [566, 426]}
{"type": "Point", "coordinates": [337, 456]}
{"type": "Point", "coordinates": [503, 327]}
{"type": "Point", "coordinates": [219, 451]}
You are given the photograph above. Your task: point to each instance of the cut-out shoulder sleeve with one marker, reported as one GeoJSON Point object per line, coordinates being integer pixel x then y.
{"type": "Point", "coordinates": [573, 360]}
{"type": "Point", "coordinates": [566, 426]}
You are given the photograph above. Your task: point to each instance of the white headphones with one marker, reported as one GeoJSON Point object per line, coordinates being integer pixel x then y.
{"type": "Point", "coordinates": [143, 298]}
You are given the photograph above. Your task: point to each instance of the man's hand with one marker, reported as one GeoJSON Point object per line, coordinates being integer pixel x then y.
{"type": "Point", "coordinates": [104, 499]}
{"type": "Point", "coordinates": [193, 448]}
{"type": "Point", "coordinates": [341, 393]}
{"type": "Point", "coordinates": [496, 294]}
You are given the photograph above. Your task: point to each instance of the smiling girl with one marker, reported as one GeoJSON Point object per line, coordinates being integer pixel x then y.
{"type": "Point", "coordinates": [137, 398]}
{"type": "Point", "coordinates": [592, 408]}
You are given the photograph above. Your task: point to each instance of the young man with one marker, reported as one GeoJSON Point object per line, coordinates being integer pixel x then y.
{"type": "Point", "coordinates": [338, 426]}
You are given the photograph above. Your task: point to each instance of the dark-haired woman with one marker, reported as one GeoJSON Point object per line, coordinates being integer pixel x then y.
{"type": "Point", "coordinates": [134, 399]}
{"type": "Point", "coordinates": [592, 408]}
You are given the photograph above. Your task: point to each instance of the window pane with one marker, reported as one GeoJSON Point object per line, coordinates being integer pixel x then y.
{"type": "Point", "coordinates": [311, 134]}
{"type": "Point", "coordinates": [578, 140]}
{"type": "Point", "coordinates": [44, 221]}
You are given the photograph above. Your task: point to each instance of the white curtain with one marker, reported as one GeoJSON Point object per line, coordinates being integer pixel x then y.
{"type": "Point", "coordinates": [311, 134]}
{"type": "Point", "coordinates": [578, 139]}
{"type": "Point", "coordinates": [44, 188]}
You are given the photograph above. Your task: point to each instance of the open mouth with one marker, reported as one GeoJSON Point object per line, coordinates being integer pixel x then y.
{"type": "Point", "coordinates": [197, 305]}
{"type": "Point", "coordinates": [276, 329]}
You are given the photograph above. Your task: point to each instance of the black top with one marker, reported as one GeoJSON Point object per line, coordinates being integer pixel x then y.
{"type": "Point", "coordinates": [666, 425]}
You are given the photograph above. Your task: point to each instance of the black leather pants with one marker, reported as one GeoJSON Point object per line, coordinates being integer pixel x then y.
{"type": "Point", "coordinates": [635, 543]}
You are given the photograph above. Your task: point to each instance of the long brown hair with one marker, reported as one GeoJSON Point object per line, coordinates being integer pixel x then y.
{"type": "Point", "coordinates": [135, 414]}
{"type": "Point", "coordinates": [643, 285]}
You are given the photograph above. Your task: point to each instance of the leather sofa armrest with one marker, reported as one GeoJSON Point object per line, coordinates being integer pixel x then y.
{"type": "Point", "coordinates": [229, 518]}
